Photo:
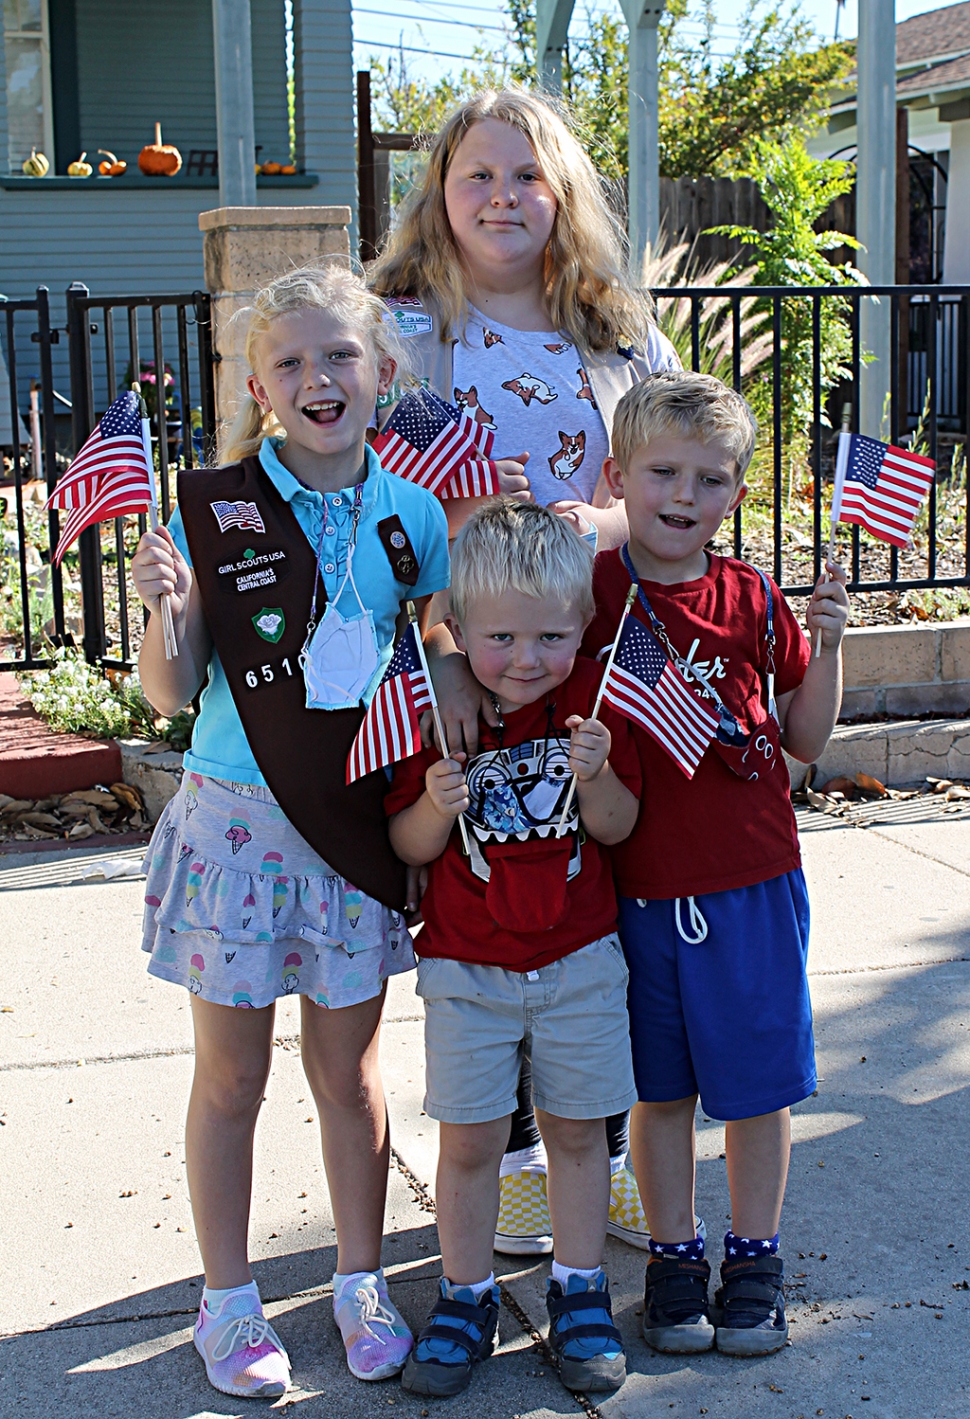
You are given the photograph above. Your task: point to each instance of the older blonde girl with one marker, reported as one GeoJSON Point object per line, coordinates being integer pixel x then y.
{"type": "Point", "coordinates": [508, 271]}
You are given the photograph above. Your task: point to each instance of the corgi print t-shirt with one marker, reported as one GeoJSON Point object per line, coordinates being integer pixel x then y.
{"type": "Point", "coordinates": [531, 388]}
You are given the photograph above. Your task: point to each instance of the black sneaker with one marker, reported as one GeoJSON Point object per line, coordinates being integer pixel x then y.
{"type": "Point", "coordinates": [749, 1307]}
{"type": "Point", "coordinates": [675, 1313]}
{"type": "Point", "coordinates": [459, 1333]}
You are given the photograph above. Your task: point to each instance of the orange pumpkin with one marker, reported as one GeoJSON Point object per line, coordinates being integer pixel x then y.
{"type": "Point", "coordinates": [159, 159]}
{"type": "Point", "coordinates": [287, 170]}
{"type": "Point", "coordinates": [111, 167]}
{"type": "Point", "coordinates": [271, 169]}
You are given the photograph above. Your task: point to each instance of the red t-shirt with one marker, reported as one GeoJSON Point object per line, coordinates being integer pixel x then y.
{"type": "Point", "coordinates": [715, 831]}
{"type": "Point", "coordinates": [543, 897]}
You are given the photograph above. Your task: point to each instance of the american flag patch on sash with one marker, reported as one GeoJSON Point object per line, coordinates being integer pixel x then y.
{"type": "Point", "coordinates": [243, 515]}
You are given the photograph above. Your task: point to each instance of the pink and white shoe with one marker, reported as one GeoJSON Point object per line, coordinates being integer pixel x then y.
{"type": "Point", "coordinates": [243, 1354]}
{"type": "Point", "coordinates": [375, 1334]}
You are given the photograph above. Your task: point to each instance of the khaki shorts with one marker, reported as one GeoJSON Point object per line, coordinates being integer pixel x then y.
{"type": "Point", "coordinates": [570, 1018]}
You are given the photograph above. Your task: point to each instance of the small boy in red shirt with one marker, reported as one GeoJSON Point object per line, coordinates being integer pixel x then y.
{"type": "Point", "coordinates": [519, 951]}
{"type": "Point", "coordinates": [713, 908]}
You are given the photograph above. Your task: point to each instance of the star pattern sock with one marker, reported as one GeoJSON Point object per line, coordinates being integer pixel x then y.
{"type": "Point", "coordinates": [737, 1248]}
{"type": "Point", "coordinates": [681, 1251]}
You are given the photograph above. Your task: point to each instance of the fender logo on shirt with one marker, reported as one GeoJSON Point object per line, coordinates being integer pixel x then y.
{"type": "Point", "coordinates": [254, 570]}
{"type": "Point", "coordinates": [713, 669]}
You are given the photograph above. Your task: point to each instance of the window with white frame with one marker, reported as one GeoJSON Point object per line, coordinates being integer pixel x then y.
{"type": "Point", "coordinates": [27, 51]}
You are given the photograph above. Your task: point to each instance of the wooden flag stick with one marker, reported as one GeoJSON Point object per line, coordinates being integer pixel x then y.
{"type": "Point", "coordinates": [436, 713]}
{"type": "Point", "coordinates": [164, 602]}
{"type": "Point", "coordinates": [627, 608]}
{"type": "Point", "coordinates": [841, 463]}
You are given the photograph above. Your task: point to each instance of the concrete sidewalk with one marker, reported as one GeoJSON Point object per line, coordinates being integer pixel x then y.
{"type": "Point", "coordinates": [99, 1264]}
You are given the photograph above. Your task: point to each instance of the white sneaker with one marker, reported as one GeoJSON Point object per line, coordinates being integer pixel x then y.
{"type": "Point", "coordinates": [376, 1336]}
{"type": "Point", "coordinates": [243, 1354]}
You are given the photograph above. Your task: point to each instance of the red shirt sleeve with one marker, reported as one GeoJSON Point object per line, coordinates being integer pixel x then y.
{"type": "Point", "coordinates": [407, 785]}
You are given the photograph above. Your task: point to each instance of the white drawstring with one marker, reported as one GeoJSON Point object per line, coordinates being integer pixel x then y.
{"type": "Point", "coordinates": [371, 1309]}
{"type": "Point", "coordinates": [254, 1327]}
{"type": "Point", "coordinates": [697, 923]}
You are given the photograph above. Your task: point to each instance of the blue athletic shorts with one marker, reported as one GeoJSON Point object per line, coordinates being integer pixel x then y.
{"type": "Point", "coordinates": [728, 1016]}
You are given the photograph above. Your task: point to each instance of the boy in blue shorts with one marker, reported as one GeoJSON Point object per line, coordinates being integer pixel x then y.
{"type": "Point", "coordinates": [519, 952]}
{"type": "Point", "coordinates": [713, 908]}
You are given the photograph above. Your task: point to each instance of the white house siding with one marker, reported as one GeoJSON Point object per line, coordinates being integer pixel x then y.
{"type": "Point", "coordinates": [326, 138]}
{"type": "Point", "coordinates": [163, 72]}
{"type": "Point", "coordinates": [144, 240]}
{"type": "Point", "coordinates": [120, 242]}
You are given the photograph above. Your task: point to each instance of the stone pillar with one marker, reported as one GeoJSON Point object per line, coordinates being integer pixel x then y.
{"type": "Point", "coordinates": [245, 248]}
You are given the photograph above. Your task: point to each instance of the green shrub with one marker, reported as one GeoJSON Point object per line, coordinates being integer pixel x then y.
{"type": "Point", "coordinates": [75, 697]}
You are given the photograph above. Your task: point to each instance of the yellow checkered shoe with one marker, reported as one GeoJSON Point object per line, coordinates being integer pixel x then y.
{"type": "Point", "coordinates": [627, 1220]}
{"type": "Point", "coordinates": [524, 1227]}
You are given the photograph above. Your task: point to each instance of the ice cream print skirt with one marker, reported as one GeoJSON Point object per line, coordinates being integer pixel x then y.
{"type": "Point", "coordinates": [240, 909]}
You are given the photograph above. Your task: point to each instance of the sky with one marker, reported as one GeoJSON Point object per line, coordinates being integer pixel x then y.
{"type": "Point", "coordinates": [438, 35]}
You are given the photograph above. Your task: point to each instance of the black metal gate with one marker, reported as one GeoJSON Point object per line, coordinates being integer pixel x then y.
{"type": "Point", "coordinates": [173, 359]}
{"type": "Point", "coordinates": [179, 440]}
{"type": "Point", "coordinates": [32, 588]}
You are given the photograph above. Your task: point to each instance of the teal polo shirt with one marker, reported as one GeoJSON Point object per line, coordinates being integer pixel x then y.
{"type": "Point", "coordinates": [219, 745]}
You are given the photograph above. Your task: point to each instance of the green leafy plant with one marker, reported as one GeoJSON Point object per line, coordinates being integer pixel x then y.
{"type": "Point", "coordinates": [675, 267]}
{"type": "Point", "coordinates": [798, 189]}
{"type": "Point", "coordinates": [74, 697]}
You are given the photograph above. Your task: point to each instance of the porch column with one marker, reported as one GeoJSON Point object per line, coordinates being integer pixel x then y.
{"type": "Point", "coordinates": [643, 17]}
{"type": "Point", "coordinates": [552, 28]}
{"type": "Point", "coordinates": [232, 30]}
{"type": "Point", "coordinates": [876, 196]}
{"type": "Point", "coordinates": [245, 248]}
{"type": "Point", "coordinates": [956, 240]}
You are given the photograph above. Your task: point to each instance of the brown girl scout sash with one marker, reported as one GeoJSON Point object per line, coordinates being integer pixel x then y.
{"type": "Point", "coordinates": [255, 571]}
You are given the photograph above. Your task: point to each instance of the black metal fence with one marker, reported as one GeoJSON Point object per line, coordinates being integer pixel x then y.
{"type": "Point", "coordinates": [928, 394]}
{"type": "Point", "coordinates": [166, 341]}
{"type": "Point", "coordinates": [163, 341]}
{"type": "Point", "coordinates": [26, 323]}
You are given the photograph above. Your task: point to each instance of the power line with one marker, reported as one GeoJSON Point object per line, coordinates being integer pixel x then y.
{"type": "Point", "coordinates": [410, 49]}
{"type": "Point", "coordinates": [428, 20]}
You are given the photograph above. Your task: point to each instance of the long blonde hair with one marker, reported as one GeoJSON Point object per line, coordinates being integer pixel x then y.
{"type": "Point", "coordinates": [589, 291]}
{"type": "Point", "coordinates": [332, 287]}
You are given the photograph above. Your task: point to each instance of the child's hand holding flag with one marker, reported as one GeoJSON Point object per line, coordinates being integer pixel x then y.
{"type": "Point", "coordinates": [111, 475]}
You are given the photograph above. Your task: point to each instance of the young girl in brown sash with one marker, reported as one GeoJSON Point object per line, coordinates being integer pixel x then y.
{"type": "Point", "coordinates": [286, 570]}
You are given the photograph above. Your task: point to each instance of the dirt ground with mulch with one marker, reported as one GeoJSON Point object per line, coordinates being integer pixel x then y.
{"type": "Point", "coordinates": [118, 809]}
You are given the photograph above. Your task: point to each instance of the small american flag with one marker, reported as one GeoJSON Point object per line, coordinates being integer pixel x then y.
{"type": "Point", "coordinates": [243, 515]}
{"type": "Point", "coordinates": [478, 478]}
{"type": "Point", "coordinates": [426, 440]}
{"type": "Point", "coordinates": [110, 475]}
{"type": "Point", "coordinates": [390, 729]}
{"type": "Point", "coordinates": [649, 689]}
{"type": "Point", "coordinates": [884, 488]}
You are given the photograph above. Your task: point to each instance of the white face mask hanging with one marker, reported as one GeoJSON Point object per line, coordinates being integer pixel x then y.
{"type": "Point", "coordinates": [340, 655]}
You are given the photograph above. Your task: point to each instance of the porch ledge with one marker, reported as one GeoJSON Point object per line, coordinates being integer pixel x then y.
{"type": "Point", "coordinates": [17, 182]}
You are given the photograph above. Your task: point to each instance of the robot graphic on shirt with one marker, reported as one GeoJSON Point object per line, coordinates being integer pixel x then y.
{"type": "Point", "coordinates": [519, 793]}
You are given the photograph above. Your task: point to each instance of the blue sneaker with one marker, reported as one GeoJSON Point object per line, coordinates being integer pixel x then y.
{"type": "Point", "coordinates": [588, 1345]}
{"type": "Point", "coordinates": [459, 1332]}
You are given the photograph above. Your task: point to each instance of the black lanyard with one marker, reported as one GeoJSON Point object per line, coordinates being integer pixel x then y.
{"type": "Point", "coordinates": [691, 672]}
